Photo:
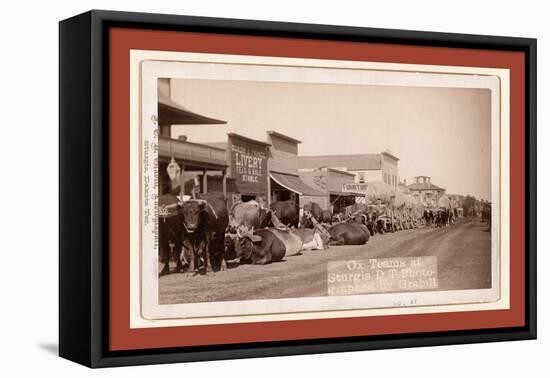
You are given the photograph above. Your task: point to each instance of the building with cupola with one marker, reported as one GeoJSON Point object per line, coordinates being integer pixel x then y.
{"type": "Point", "coordinates": [425, 191]}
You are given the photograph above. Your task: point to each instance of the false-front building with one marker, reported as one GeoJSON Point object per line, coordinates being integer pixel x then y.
{"type": "Point", "coordinates": [365, 168]}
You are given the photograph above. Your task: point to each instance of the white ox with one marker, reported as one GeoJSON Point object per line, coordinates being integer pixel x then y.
{"type": "Point", "coordinates": [300, 239]}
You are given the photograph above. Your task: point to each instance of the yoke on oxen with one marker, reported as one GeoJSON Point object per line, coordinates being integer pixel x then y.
{"type": "Point", "coordinates": [316, 225]}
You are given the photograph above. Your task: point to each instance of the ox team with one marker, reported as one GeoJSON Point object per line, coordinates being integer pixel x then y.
{"type": "Point", "coordinates": [201, 232]}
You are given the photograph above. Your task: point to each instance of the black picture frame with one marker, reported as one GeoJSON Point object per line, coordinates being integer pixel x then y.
{"type": "Point", "coordinates": [84, 159]}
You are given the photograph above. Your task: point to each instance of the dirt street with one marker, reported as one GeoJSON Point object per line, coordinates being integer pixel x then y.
{"type": "Point", "coordinates": [463, 253]}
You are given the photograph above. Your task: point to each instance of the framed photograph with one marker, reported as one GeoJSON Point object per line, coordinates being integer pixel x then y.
{"type": "Point", "coordinates": [233, 188]}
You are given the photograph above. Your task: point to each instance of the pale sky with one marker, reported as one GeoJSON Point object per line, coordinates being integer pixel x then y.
{"type": "Point", "coordinates": [444, 133]}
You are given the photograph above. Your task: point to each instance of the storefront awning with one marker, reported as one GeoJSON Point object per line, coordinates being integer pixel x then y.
{"type": "Point", "coordinates": [172, 113]}
{"type": "Point", "coordinates": [296, 185]}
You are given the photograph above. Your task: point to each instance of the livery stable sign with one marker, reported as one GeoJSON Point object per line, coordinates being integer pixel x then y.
{"type": "Point", "coordinates": [248, 159]}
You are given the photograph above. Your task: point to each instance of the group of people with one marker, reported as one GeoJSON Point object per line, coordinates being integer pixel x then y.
{"type": "Point", "coordinates": [439, 217]}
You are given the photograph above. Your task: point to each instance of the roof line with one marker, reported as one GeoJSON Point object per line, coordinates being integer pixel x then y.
{"type": "Point", "coordinates": [339, 171]}
{"type": "Point", "coordinates": [248, 139]}
{"type": "Point", "coordinates": [340, 155]}
{"type": "Point", "coordinates": [273, 132]}
{"type": "Point", "coordinates": [390, 155]}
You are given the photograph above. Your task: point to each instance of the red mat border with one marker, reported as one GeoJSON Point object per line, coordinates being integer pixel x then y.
{"type": "Point", "coordinates": [121, 337]}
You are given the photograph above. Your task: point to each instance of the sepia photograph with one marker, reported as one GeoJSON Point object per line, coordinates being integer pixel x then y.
{"type": "Point", "coordinates": [272, 189]}
{"type": "Point", "coordinates": [232, 188]}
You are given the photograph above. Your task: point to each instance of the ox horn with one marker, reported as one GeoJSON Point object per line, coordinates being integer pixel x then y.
{"type": "Point", "coordinates": [256, 238]}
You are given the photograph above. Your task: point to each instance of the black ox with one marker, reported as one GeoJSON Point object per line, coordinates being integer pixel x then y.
{"type": "Point", "coordinates": [286, 212]}
{"type": "Point", "coordinates": [199, 226]}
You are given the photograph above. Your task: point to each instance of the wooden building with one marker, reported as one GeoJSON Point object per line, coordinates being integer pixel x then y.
{"type": "Point", "coordinates": [425, 191]}
{"type": "Point", "coordinates": [285, 182]}
{"type": "Point", "coordinates": [332, 182]}
{"type": "Point", "coordinates": [207, 163]}
{"type": "Point", "coordinates": [365, 168]}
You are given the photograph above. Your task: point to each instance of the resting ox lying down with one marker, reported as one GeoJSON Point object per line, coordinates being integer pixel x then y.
{"type": "Point", "coordinates": [269, 245]}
